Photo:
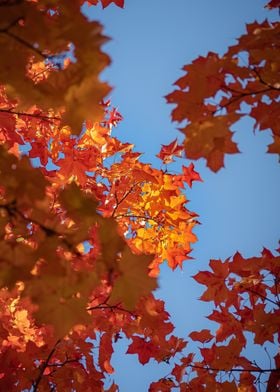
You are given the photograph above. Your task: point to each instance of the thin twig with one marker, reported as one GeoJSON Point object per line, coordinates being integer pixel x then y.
{"type": "Point", "coordinates": [39, 116]}
{"type": "Point", "coordinates": [147, 218]}
{"type": "Point", "coordinates": [119, 201]}
{"type": "Point", "coordinates": [112, 308]}
{"type": "Point", "coordinates": [13, 210]}
{"type": "Point", "coordinates": [25, 43]}
{"type": "Point", "coordinates": [239, 370]}
{"type": "Point", "coordinates": [60, 364]}
{"type": "Point", "coordinates": [262, 296]}
{"type": "Point", "coordinates": [43, 367]}
{"type": "Point", "coordinates": [260, 78]}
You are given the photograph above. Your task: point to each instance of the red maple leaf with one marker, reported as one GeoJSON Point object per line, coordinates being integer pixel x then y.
{"type": "Point", "coordinates": [190, 175]}
{"type": "Point", "coordinates": [119, 3]}
{"type": "Point", "coordinates": [273, 4]}
{"type": "Point", "coordinates": [145, 350]}
{"type": "Point", "coordinates": [169, 150]}
{"type": "Point", "coordinates": [203, 336]}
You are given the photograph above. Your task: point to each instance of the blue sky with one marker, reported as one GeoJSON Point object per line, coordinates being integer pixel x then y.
{"type": "Point", "coordinates": [238, 206]}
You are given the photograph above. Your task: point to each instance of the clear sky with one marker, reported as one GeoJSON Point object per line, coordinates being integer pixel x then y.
{"type": "Point", "coordinates": [238, 206]}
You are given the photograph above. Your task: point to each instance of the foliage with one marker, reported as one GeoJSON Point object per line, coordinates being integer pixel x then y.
{"type": "Point", "coordinates": [244, 81]}
{"type": "Point", "coordinates": [84, 233]}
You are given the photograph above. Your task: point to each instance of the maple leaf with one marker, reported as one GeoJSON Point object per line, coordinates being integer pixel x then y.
{"type": "Point", "coordinates": [207, 130]}
{"type": "Point", "coordinates": [119, 3]}
{"type": "Point", "coordinates": [274, 147]}
{"type": "Point", "coordinates": [61, 294]}
{"type": "Point", "coordinates": [226, 355]}
{"type": "Point", "coordinates": [68, 273]}
{"type": "Point", "coordinates": [105, 3]}
{"type": "Point", "coordinates": [203, 336]}
{"type": "Point", "coordinates": [190, 175]}
{"type": "Point", "coordinates": [229, 325]}
{"type": "Point", "coordinates": [133, 281]}
{"type": "Point", "coordinates": [105, 353]}
{"type": "Point", "coordinates": [75, 88]}
{"type": "Point", "coordinates": [144, 349]}
{"type": "Point", "coordinates": [81, 209]}
{"type": "Point", "coordinates": [179, 369]}
{"type": "Point", "coordinates": [274, 378]}
{"type": "Point", "coordinates": [217, 290]}
{"type": "Point", "coordinates": [265, 116]}
{"type": "Point", "coordinates": [163, 385]}
{"type": "Point", "coordinates": [273, 4]}
{"type": "Point", "coordinates": [211, 139]}
{"type": "Point", "coordinates": [170, 150]}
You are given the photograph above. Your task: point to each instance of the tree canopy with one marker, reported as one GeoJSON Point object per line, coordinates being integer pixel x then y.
{"type": "Point", "coordinates": [83, 235]}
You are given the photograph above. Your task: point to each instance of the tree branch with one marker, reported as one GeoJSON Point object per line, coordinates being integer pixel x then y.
{"type": "Point", "coordinates": [119, 201]}
{"type": "Point", "coordinates": [23, 42]}
{"type": "Point", "coordinates": [240, 96]}
{"type": "Point", "coordinates": [147, 218]}
{"type": "Point", "coordinates": [112, 308]}
{"type": "Point", "coordinates": [260, 78]}
{"type": "Point", "coordinates": [60, 364]}
{"type": "Point", "coordinates": [43, 367]}
{"type": "Point", "coordinates": [262, 296]}
{"type": "Point", "coordinates": [9, 3]}
{"type": "Point", "coordinates": [13, 210]}
{"type": "Point", "coordinates": [39, 116]}
{"type": "Point", "coordinates": [239, 370]}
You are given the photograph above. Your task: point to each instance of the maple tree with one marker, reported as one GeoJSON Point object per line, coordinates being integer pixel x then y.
{"type": "Point", "coordinates": [84, 233]}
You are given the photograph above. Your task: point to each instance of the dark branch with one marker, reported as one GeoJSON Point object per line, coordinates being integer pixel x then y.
{"type": "Point", "coordinates": [260, 78]}
{"type": "Point", "coordinates": [43, 367]}
{"type": "Point", "coordinates": [262, 296]}
{"type": "Point", "coordinates": [238, 370]}
{"type": "Point", "coordinates": [39, 116]}
{"type": "Point", "coordinates": [60, 364]}
{"type": "Point", "coordinates": [119, 201]}
{"type": "Point", "coordinates": [24, 43]}
{"type": "Point", "coordinates": [13, 211]}
{"type": "Point", "coordinates": [9, 3]}
{"type": "Point", "coordinates": [147, 218]}
{"type": "Point", "coordinates": [112, 308]}
{"type": "Point", "coordinates": [240, 96]}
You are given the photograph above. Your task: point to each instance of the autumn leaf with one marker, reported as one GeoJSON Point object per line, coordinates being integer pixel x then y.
{"type": "Point", "coordinates": [64, 87]}
{"type": "Point", "coordinates": [144, 349]}
{"type": "Point", "coordinates": [169, 151]}
{"type": "Point", "coordinates": [133, 281]}
{"type": "Point", "coordinates": [203, 336]}
{"type": "Point", "coordinates": [273, 4]}
{"type": "Point", "coordinates": [105, 3]}
{"type": "Point", "coordinates": [83, 236]}
{"type": "Point", "coordinates": [61, 294]}
{"type": "Point", "coordinates": [119, 3]}
{"type": "Point", "coordinates": [190, 175]}
{"type": "Point", "coordinates": [106, 351]}
{"type": "Point", "coordinates": [225, 355]}
{"type": "Point", "coordinates": [210, 139]}
{"type": "Point", "coordinates": [82, 209]}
